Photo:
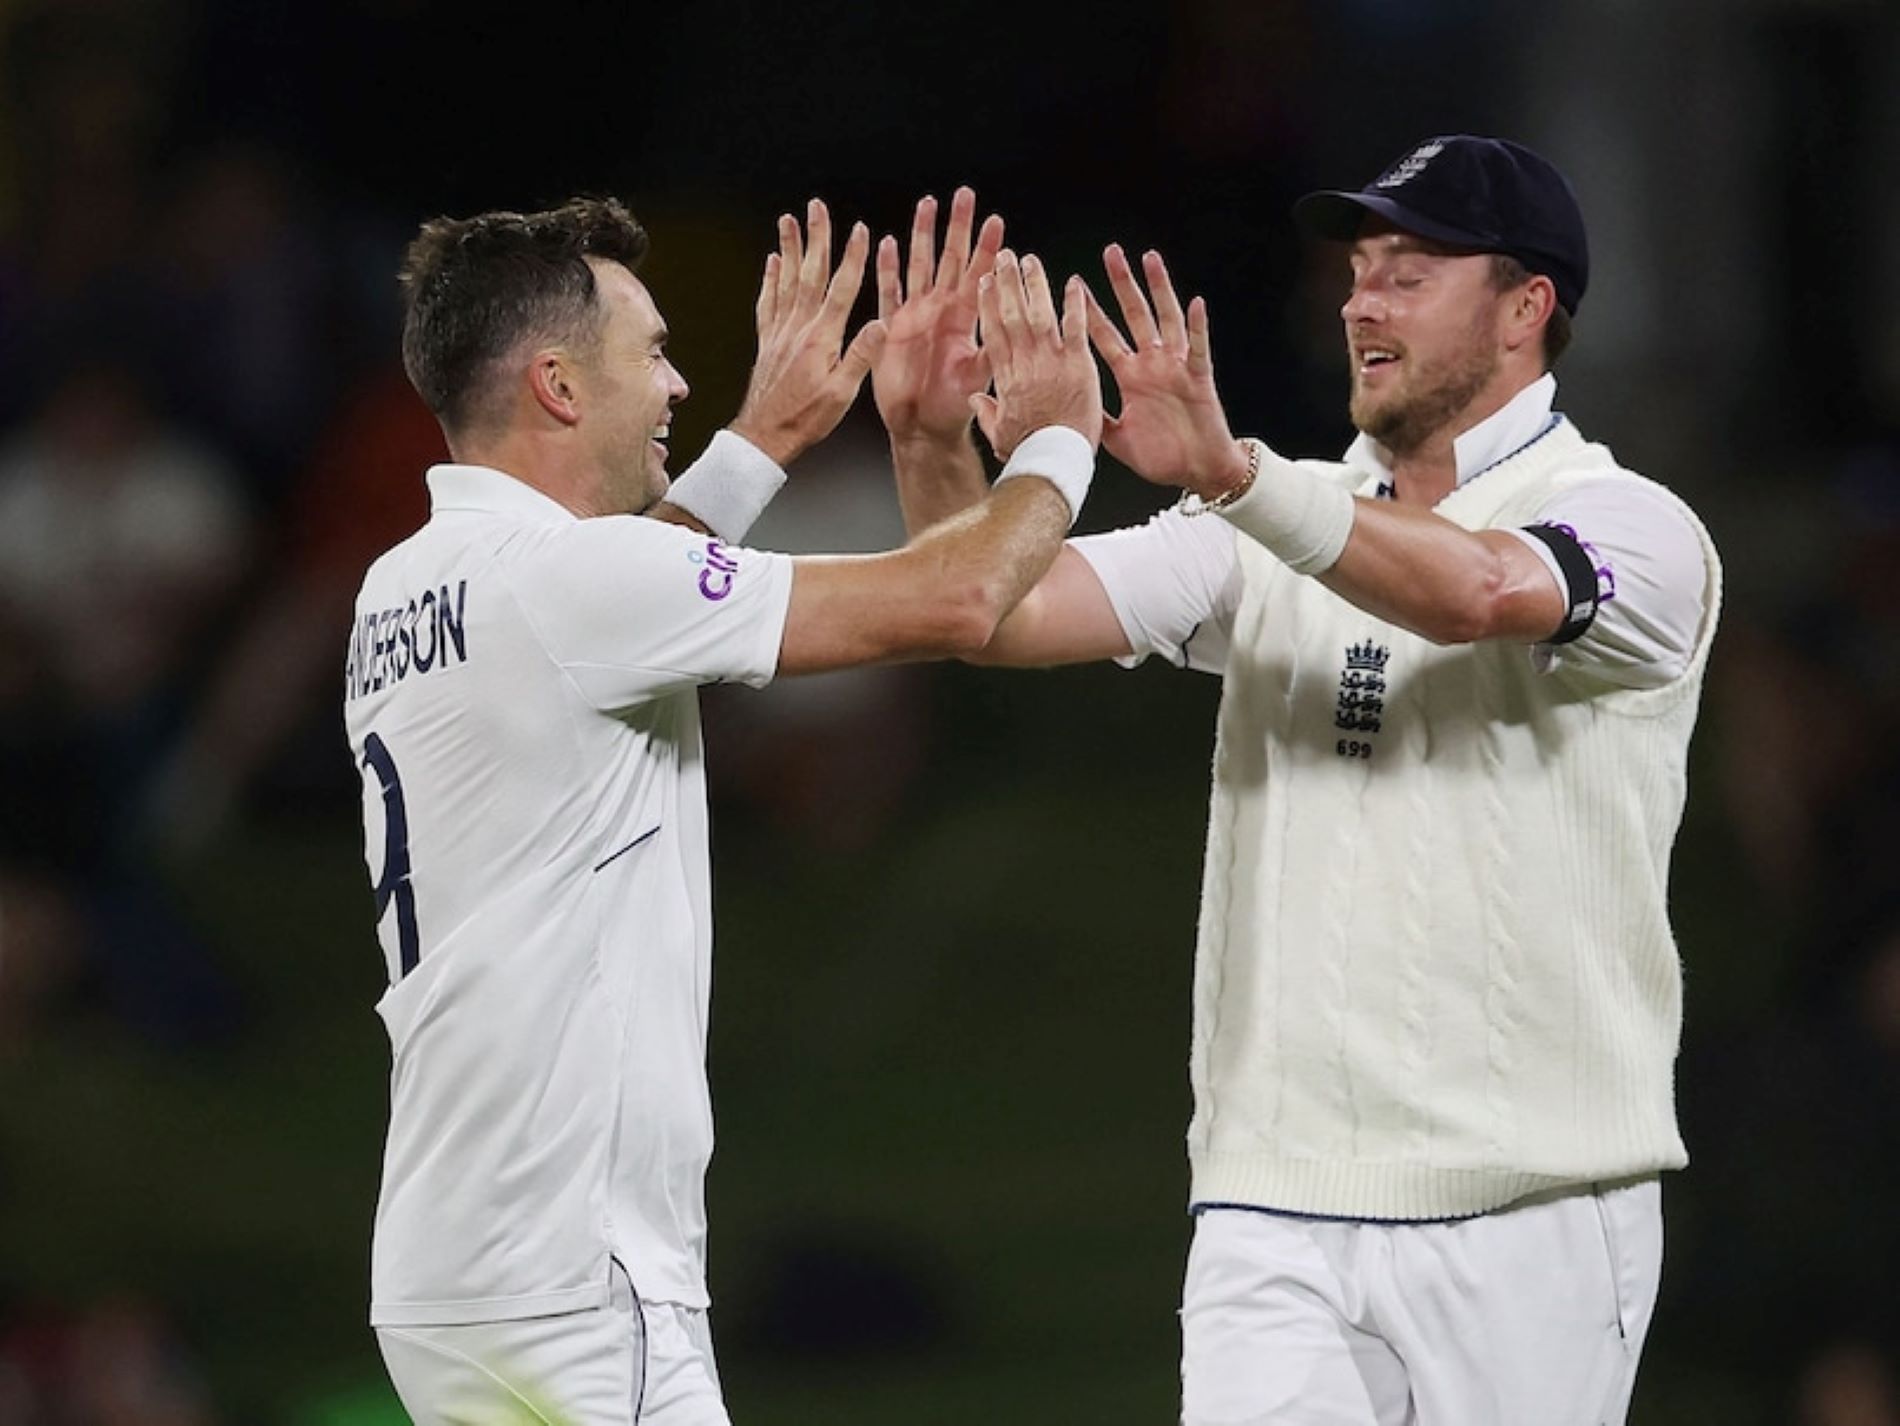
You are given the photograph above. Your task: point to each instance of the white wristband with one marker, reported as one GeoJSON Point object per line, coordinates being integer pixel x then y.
{"type": "Point", "coordinates": [727, 487]}
{"type": "Point", "coordinates": [1301, 516]}
{"type": "Point", "coordinates": [1062, 456]}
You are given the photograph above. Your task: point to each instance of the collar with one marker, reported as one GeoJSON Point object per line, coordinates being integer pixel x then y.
{"type": "Point", "coordinates": [1504, 433]}
{"type": "Point", "coordinates": [482, 487]}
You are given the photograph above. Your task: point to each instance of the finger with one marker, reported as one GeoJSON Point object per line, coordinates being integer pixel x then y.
{"type": "Point", "coordinates": [1200, 360]}
{"type": "Point", "coordinates": [766, 310]}
{"type": "Point", "coordinates": [1167, 305]}
{"type": "Point", "coordinates": [1134, 305]}
{"type": "Point", "coordinates": [1075, 319]}
{"type": "Point", "coordinates": [1075, 341]}
{"type": "Point", "coordinates": [1010, 303]}
{"type": "Point", "coordinates": [985, 410]}
{"type": "Point", "coordinates": [1038, 302]}
{"type": "Point", "coordinates": [889, 295]}
{"type": "Point", "coordinates": [923, 241]}
{"type": "Point", "coordinates": [845, 282]}
{"type": "Point", "coordinates": [956, 239]}
{"type": "Point", "coordinates": [813, 270]}
{"type": "Point", "coordinates": [791, 254]}
{"type": "Point", "coordinates": [989, 242]}
{"type": "Point", "coordinates": [1112, 439]}
{"type": "Point", "coordinates": [996, 345]}
{"type": "Point", "coordinates": [1107, 337]}
{"type": "Point", "coordinates": [981, 373]}
{"type": "Point", "coordinates": [859, 356]}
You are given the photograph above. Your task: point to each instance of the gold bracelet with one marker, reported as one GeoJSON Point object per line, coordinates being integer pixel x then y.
{"type": "Point", "coordinates": [1192, 504]}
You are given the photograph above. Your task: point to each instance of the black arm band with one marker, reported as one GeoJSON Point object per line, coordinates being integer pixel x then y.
{"type": "Point", "coordinates": [1581, 593]}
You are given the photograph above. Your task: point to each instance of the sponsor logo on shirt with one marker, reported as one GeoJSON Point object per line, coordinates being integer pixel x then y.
{"type": "Point", "coordinates": [718, 568]}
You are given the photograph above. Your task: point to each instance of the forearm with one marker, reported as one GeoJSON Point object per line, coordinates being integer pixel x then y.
{"type": "Point", "coordinates": [936, 478]}
{"type": "Point", "coordinates": [1067, 618]}
{"type": "Point", "coordinates": [986, 558]}
{"type": "Point", "coordinates": [940, 596]}
{"type": "Point", "coordinates": [1006, 534]}
{"type": "Point", "coordinates": [1418, 570]}
{"type": "Point", "coordinates": [1406, 565]}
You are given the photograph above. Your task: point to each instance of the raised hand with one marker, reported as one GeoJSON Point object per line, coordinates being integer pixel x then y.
{"type": "Point", "coordinates": [1172, 429]}
{"type": "Point", "coordinates": [1042, 369]}
{"type": "Point", "coordinates": [931, 365]}
{"type": "Point", "coordinates": [801, 386]}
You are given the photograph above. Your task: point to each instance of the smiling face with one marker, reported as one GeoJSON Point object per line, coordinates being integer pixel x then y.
{"type": "Point", "coordinates": [631, 390]}
{"type": "Point", "coordinates": [1426, 333]}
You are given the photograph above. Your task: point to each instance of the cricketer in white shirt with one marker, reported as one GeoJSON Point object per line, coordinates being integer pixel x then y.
{"type": "Point", "coordinates": [521, 700]}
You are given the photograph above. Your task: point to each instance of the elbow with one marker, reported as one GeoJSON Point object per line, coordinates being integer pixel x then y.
{"type": "Point", "coordinates": [946, 620]}
{"type": "Point", "coordinates": [1450, 627]}
{"type": "Point", "coordinates": [1469, 612]}
{"type": "Point", "coordinates": [970, 618]}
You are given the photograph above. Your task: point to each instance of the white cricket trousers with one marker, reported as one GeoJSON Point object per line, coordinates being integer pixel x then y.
{"type": "Point", "coordinates": [629, 1362]}
{"type": "Point", "coordinates": [1530, 1316]}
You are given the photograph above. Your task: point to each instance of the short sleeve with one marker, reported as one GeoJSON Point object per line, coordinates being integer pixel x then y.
{"type": "Point", "coordinates": [1650, 577]}
{"type": "Point", "coordinates": [1174, 583]}
{"type": "Point", "coordinates": [632, 609]}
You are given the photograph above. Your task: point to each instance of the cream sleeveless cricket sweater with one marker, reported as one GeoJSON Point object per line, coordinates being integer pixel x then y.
{"type": "Point", "coordinates": [1435, 971]}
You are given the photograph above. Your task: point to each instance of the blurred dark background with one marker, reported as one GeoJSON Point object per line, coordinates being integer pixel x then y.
{"type": "Point", "coordinates": [956, 907]}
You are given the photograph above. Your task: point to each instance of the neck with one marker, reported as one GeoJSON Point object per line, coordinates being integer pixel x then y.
{"type": "Point", "coordinates": [1426, 473]}
{"type": "Point", "coordinates": [549, 466]}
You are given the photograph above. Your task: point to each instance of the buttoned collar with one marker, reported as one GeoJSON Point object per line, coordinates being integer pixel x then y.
{"type": "Point", "coordinates": [481, 487]}
{"type": "Point", "coordinates": [1504, 433]}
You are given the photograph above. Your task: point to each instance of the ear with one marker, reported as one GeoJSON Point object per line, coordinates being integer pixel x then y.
{"type": "Point", "coordinates": [551, 379]}
{"type": "Point", "coordinates": [1526, 311]}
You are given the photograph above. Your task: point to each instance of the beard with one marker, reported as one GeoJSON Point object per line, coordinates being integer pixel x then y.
{"type": "Point", "coordinates": [1404, 420]}
{"type": "Point", "coordinates": [639, 480]}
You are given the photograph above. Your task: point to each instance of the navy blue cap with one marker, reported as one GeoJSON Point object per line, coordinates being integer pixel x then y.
{"type": "Point", "coordinates": [1487, 195]}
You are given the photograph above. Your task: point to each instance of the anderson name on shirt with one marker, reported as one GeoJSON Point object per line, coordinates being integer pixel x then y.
{"type": "Point", "coordinates": [428, 632]}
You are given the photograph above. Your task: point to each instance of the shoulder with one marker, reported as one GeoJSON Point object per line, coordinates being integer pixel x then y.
{"type": "Point", "coordinates": [1610, 490]}
{"type": "Point", "coordinates": [1587, 471]}
{"type": "Point", "coordinates": [622, 547]}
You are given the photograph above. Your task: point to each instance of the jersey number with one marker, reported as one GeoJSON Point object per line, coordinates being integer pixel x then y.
{"type": "Point", "coordinates": [394, 885]}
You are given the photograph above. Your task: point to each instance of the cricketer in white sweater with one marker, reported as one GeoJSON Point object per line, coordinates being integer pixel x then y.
{"type": "Point", "coordinates": [1435, 972]}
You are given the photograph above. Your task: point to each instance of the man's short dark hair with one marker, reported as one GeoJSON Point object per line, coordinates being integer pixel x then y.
{"type": "Point", "coordinates": [475, 288]}
{"type": "Point", "coordinates": [1507, 272]}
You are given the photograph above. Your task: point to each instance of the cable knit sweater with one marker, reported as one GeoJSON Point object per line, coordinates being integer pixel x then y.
{"type": "Point", "coordinates": [1435, 970]}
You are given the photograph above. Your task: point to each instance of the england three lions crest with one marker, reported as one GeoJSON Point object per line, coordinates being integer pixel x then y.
{"type": "Point", "coordinates": [1361, 704]}
{"type": "Point", "coordinates": [1411, 166]}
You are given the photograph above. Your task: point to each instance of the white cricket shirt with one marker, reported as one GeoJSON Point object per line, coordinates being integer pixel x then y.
{"type": "Point", "coordinates": [520, 699]}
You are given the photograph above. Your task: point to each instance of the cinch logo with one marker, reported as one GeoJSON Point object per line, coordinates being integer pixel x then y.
{"type": "Point", "coordinates": [715, 580]}
{"type": "Point", "coordinates": [1412, 165]}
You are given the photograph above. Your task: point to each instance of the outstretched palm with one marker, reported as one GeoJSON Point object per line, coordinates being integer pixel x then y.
{"type": "Point", "coordinates": [931, 365]}
{"type": "Point", "coordinates": [1172, 429]}
{"type": "Point", "coordinates": [801, 383]}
